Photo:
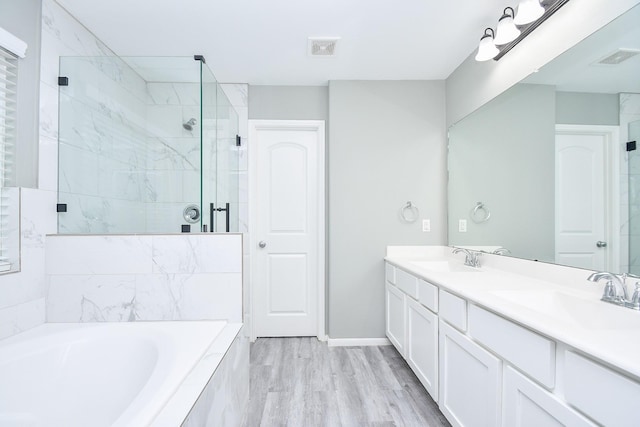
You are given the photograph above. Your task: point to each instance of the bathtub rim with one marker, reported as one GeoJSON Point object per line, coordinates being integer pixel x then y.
{"type": "Point", "coordinates": [176, 405]}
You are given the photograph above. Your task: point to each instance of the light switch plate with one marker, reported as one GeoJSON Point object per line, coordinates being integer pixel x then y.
{"type": "Point", "coordinates": [462, 225]}
{"type": "Point", "coordinates": [426, 225]}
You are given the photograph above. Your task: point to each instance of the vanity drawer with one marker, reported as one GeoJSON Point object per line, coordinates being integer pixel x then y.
{"type": "Point", "coordinates": [453, 309]}
{"type": "Point", "coordinates": [607, 396]}
{"type": "Point", "coordinates": [528, 351]}
{"type": "Point", "coordinates": [407, 283]}
{"type": "Point", "coordinates": [390, 273]}
{"type": "Point", "coordinates": [428, 295]}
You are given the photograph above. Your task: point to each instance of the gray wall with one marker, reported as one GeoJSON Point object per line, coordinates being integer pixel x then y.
{"type": "Point", "coordinates": [387, 145]}
{"type": "Point", "coordinates": [503, 155]}
{"type": "Point", "coordinates": [578, 108]}
{"type": "Point", "coordinates": [22, 19]}
{"type": "Point", "coordinates": [289, 102]}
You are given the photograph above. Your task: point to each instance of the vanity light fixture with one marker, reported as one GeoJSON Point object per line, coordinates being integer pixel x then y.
{"type": "Point", "coordinates": [487, 49]}
{"type": "Point", "coordinates": [514, 27]}
{"type": "Point", "coordinates": [506, 31]}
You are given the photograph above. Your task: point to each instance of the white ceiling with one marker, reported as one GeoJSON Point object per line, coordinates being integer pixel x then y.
{"type": "Point", "coordinates": [265, 42]}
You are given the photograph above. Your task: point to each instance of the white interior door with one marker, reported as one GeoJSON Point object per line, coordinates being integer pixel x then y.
{"type": "Point", "coordinates": [584, 202]}
{"type": "Point", "coordinates": [288, 228]}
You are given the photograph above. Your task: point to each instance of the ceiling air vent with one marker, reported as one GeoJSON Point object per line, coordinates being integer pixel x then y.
{"type": "Point", "coordinates": [322, 46]}
{"type": "Point", "coordinates": [618, 56]}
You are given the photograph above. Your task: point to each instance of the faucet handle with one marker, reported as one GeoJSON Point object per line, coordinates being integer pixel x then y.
{"type": "Point", "coordinates": [635, 298]}
{"type": "Point", "coordinates": [609, 293]}
{"type": "Point", "coordinates": [476, 259]}
{"type": "Point", "coordinates": [626, 276]}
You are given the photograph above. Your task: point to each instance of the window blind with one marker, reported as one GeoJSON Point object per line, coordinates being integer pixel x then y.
{"type": "Point", "coordinates": [8, 92]}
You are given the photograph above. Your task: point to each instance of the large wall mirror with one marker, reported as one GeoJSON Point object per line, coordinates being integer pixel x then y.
{"type": "Point", "coordinates": [542, 171]}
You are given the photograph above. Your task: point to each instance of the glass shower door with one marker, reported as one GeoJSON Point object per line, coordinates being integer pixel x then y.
{"type": "Point", "coordinates": [208, 150]}
{"type": "Point", "coordinates": [634, 201]}
{"type": "Point", "coordinates": [227, 164]}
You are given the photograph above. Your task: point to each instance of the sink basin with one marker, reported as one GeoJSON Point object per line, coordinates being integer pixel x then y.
{"type": "Point", "coordinates": [575, 310]}
{"type": "Point", "coordinates": [445, 267]}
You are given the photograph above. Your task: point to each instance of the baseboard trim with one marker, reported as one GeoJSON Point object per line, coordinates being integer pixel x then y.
{"type": "Point", "coordinates": [357, 342]}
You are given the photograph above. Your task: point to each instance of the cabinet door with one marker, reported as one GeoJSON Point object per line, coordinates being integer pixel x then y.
{"type": "Point", "coordinates": [470, 378]}
{"type": "Point", "coordinates": [395, 311]}
{"type": "Point", "coordinates": [528, 405]}
{"type": "Point", "coordinates": [605, 395]}
{"type": "Point", "coordinates": [422, 345]}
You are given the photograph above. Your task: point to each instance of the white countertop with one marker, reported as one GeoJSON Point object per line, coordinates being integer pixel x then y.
{"type": "Point", "coordinates": [555, 301]}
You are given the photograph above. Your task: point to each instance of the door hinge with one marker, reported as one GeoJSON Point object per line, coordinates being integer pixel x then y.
{"type": "Point", "coordinates": [631, 146]}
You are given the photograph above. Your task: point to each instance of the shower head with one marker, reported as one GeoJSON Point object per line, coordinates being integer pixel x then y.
{"type": "Point", "coordinates": [189, 124]}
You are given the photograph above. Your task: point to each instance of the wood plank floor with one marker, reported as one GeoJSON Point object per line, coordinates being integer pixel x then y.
{"type": "Point", "coordinates": [301, 382]}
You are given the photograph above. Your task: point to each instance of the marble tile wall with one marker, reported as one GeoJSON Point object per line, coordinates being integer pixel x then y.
{"type": "Point", "coordinates": [144, 277]}
{"type": "Point", "coordinates": [216, 391]}
{"type": "Point", "coordinates": [22, 303]}
{"type": "Point", "coordinates": [61, 35]}
{"type": "Point", "coordinates": [630, 188]}
{"type": "Point", "coordinates": [224, 400]}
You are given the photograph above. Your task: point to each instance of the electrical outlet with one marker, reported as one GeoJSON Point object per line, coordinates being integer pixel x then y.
{"type": "Point", "coordinates": [426, 225]}
{"type": "Point", "coordinates": [462, 225]}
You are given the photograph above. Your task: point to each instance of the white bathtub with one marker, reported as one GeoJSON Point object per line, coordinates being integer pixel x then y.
{"type": "Point", "coordinates": [99, 374]}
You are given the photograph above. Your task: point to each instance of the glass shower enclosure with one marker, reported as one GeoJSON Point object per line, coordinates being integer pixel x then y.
{"type": "Point", "coordinates": [146, 145]}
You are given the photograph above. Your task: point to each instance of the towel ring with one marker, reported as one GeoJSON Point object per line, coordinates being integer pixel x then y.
{"type": "Point", "coordinates": [409, 212]}
{"type": "Point", "coordinates": [480, 213]}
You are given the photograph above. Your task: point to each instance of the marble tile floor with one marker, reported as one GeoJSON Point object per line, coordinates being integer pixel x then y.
{"type": "Point", "coordinates": [301, 382]}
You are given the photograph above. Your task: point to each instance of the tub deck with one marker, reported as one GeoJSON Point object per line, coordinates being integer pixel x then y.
{"type": "Point", "coordinates": [109, 374]}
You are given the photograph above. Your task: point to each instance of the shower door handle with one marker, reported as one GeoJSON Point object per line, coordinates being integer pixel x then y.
{"type": "Point", "coordinates": [213, 209]}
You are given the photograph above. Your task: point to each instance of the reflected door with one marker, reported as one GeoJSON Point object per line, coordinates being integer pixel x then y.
{"type": "Point", "coordinates": [580, 201]}
{"type": "Point", "coordinates": [288, 272]}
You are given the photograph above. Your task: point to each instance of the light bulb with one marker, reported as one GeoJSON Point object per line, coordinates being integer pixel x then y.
{"type": "Point", "coordinates": [487, 49]}
{"type": "Point", "coordinates": [528, 11]}
{"type": "Point", "coordinates": [506, 31]}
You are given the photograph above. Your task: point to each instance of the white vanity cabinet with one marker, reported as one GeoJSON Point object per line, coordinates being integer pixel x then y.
{"type": "Point", "coordinates": [411, 327]}
{"type": "Point", "coordinates": [395, 302]}
{"type": "Point", "coordinates": [470, 381]}
{"type": "Point", "coordinates": [422, 345]}
{"type": "Point", "coordinates": [485, 369]}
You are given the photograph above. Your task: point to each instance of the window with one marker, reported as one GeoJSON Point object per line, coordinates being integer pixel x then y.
{"type": "Point", "coordinates": [11, 49]}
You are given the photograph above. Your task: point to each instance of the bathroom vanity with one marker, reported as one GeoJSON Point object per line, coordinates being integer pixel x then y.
{"type": "Point", "coordinates": [513, 342]}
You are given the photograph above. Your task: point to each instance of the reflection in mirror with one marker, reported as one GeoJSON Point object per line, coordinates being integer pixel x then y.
{"type": "Point", "coordinates": [547, 158]}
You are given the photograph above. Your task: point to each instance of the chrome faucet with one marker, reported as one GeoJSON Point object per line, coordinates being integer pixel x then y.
{"type": "Point", "coordinates": [615, 291]}
{"type": "Point", "coordinates": [472, 259]}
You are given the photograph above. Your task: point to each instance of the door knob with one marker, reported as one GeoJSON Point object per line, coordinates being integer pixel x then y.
{"type": "Point", "coordinates": [601, 244]}
{"type": "Point", "coordinates": [262, 244]}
